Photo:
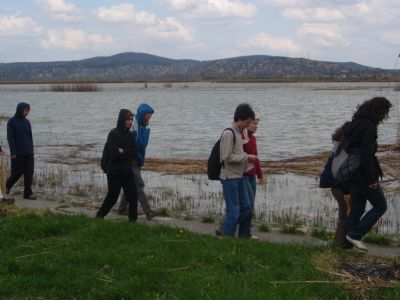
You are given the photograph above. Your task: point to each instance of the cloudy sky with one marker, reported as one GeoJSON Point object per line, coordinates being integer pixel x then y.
{"type": "Point", "coordinates": [364, 31]}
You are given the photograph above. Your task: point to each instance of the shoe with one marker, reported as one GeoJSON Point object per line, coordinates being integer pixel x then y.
{"type": "Point", "coordinates": [254, 237]}
{"type": "Point", "coordinates": [31, 197]}
{"type": "Point", "coordinates": [358, 244]}
{"type": "Point", "coordinates": [151, 215]}
{"type": "Point", "coordinates": [218, 232]}
{"type": "Point", "coordinates": [8, 200]}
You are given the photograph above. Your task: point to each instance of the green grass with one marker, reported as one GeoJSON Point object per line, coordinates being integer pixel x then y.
{"type": "Point", "coordinates": [379, 239]}
{"type": "Point", "coordinates": [322, 233]}
{"type": "Point", "coordinates": [65, 257]}
{"type": "Point", "coordinates": [164, 212]}
{"type": "Point", "coordinates": [291, 228]}
{"type": "Point", "coordinates": [264, 228]}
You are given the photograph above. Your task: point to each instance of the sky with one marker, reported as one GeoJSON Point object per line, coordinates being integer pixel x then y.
{"type": "Point", "coordinates": [363, 31]}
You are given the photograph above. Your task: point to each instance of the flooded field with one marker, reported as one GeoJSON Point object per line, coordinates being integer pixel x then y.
{"type": "Point", "coordinates": [296, 121]}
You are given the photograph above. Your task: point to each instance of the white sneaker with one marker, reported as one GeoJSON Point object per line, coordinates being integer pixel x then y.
{"type": "Point", "coordinates": [358, 244]}
{"type": "Point", "coordinates": [254, 237]}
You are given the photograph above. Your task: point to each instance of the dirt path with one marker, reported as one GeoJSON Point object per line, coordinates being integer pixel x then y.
{"type": "Point", "coordinates": [195, 225]}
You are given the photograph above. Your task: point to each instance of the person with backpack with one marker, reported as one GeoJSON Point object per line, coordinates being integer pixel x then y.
{"type": "Point", "coordinates": [253, 171]}
{"type": "Point", "coordinates": [141, 131]}
{"type": "Point", "coordinates": [233, 162]}
{"type": "Point", "coordinates": [340, 191]}
{"type": "Point", "coordinates": [20, 141]}
{"type": "Point", "coordinates": [119, 157]}
{"type": "Point", "coordinates": [3, 190]}
{"type": "Point", "coordinates": [362, 135]}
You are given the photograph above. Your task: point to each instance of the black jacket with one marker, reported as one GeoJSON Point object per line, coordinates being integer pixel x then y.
{"type": "Point", "coordinates": [120, 137]}
{"type": "Point", "coordinates": [19, 133]}
{"type": "Point", "coordinates": [362, 134]}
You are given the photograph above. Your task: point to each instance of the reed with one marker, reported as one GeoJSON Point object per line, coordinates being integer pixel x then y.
{"type": "Point", "coordinates": [75, 87]}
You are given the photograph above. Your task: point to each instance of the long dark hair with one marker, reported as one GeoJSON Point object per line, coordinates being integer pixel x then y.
{"type": "Point", "coordinates": [339, 132]}
{"type": "Point", "coordinates": [376, 110]}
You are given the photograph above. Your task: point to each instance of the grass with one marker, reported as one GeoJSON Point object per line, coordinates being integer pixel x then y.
{"type": "Point", "coordinates": [76, 87]}
{"type": "Point", "coordinates": [322, 233]}
{"type": "Point", "coordinates": [291, 228]}
{"type": "Point", "coordinates": [48, 256]}
{"type": "Point", "coordinates": [164, 212]}
{"type": "Point", "coordinates": [264, 228]}
{"type": "Point", "coordinates": [4, 118]}
{"type": "Point", "coordinates": [379, 239]}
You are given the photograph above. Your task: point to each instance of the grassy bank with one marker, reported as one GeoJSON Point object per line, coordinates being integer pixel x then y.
{"type": "Point", "coordinates": [47, 256]}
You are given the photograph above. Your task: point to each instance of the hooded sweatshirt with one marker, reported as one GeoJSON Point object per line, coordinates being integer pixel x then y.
{"type": "Point", "coordinates": [120, 137]}
{"type": "Point", "coordinates": [142, 132]}
{"type": "Point", "coordinates": [250, 147]}
{"type": "Point", "coordinates": [19, 133]}
{"type": "Point", "coordinates": [362, 134]}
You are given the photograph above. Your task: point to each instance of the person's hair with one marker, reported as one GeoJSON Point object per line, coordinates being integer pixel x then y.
{"type": "Point", "coordinates": [339, 132]}
{"type": "Point", "coordinates": [244, 112]}
{"type": "Point", "coordinates": [376, 109]}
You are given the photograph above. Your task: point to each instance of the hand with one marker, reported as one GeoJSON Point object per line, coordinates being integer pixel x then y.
{"type": "Point", "coordinates": [252, 157]}
{"type": "Point", "coordinates": [2, 153]}
{"type": "Point", "coordinates": [373, 186]}
{"type": "Point", "coordinates": [13, 157]}
{"type": "Point", "coordinates": [121, 151]}
{"type": "Point", "coordinates": [261, 180]}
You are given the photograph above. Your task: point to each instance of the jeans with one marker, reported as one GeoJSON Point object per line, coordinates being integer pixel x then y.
{"type": "Point", "coordinates": [251, 185]}
{"type": "Point", "coordinates": [115, 183]}
{"type": "Point", "coordinates": [238, 209]}
{"type": "Point", "coordinates": [22, 165]}
{"type": "Point", "coordinates": [142, 199]}
{"type": "Point", "coordinates": [357, 227]}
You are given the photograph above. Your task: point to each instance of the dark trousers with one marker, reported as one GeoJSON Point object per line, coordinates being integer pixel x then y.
{"type": "Point", "coordinates": [115, 183]}
{"type": "Point", "coordinates": [22, 165]}
{"type": "Point", "coordinates": [357, 227]}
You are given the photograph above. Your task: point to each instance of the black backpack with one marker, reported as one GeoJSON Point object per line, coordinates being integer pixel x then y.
{"type": "Point", "coordinates": [214, 161]}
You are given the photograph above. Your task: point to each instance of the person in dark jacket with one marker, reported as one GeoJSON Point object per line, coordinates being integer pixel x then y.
{"type": "Point", "coordinates": [142, 134]}
{"type": "Point", "coordinates": [340, 191]}
{"type": "Point", "coordinates": [119, 156]}
{"type": "Point", "coordinates": [19, 136]}
{"type": "Point", "coordinates": [362, 135]}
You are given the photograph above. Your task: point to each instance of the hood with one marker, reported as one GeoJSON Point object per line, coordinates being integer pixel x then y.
{"type": "Point", "coordinates": [141, 111]}
{"type": "Point", "coordinates": [20, 108]}
{"type": "Point", "coordinates": [123, 114]}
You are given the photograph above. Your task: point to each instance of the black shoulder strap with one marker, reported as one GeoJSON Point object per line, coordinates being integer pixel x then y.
{"type": "Point", "coordinates": [234, 135]}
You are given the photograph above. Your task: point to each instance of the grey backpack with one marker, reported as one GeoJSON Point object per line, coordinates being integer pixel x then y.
{"type": "Point", "coordinates": [345, 164]}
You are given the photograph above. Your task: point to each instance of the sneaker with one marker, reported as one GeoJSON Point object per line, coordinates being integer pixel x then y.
{"type": "Point", "coordinates": [151, 215]}
{"type": "Point", "coordinates": [8, 200]}
{"type": "Point", "coordinates": [31, 197]}
{"type": "Point", "coordinates": [218, 232]}
{"type": "Point", "coordinates": [254, 237]}
{"type": "Point", "coordinates": [358, 244]}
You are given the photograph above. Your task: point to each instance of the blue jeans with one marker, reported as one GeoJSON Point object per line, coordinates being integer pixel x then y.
{"type": "Point", "coordinates": [357, 227]}
{"type": "Point", "coordinates": [251, 185]}
{"type": "Point", "coordinates": [238, 209]}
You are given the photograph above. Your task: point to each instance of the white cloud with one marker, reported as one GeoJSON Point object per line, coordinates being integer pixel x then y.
{"type": "Point", "coordinates": [73, 39]}
{"type": "Point", "coordinates": [124, 13]}
{"type": "Point", "coordinates": [61, 10]}
{"type": "Point", "coordinates": [323, 34]}
{"type": "Point", "coordinates": [314, 14]}
{"type": "Point", "coordinates": [207, 9]}
{"type": "Point", "coordinates": [167, 28]}
{"type": "Point", "coordinates": [170, 28]}
{"type": "Point", "coordinates": [17, 24]}
{"type": "Point", "coordinates": [263, 40]}
{"type": "Point", "coordinates": [286, 2]}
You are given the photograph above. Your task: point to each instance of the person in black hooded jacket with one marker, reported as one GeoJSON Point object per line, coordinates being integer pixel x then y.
{"type": "Point", "coordinates": [362, 135]}
{"type": "Point", "coordinates": [119, 155]}
{"type": "Point", "coordinates": [20, 141]}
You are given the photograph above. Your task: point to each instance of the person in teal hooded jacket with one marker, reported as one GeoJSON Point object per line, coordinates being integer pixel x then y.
{"type": "Point", "coordinates": [141, 131]}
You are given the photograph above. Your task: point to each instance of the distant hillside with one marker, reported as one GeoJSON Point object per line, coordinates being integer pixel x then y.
{"type": "Point", "coordinates": [142, 66]}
